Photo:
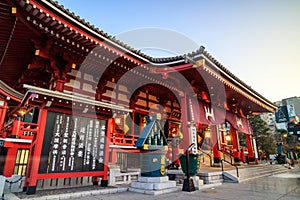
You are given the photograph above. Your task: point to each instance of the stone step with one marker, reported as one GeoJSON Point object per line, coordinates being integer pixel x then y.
{"type": "Point", "coordinates": [260, 171]}
{"type": "Point", "coordinates": [154, 192]}
{"type": "Point", "coordinates": [256, 169]}
{"type": "Point", "coordinates": [153, 186]}
{"type": "Point", "coordinates": [253, 173]}
{"type": "Point", "coordinates": [267, 173]}
{"type": "Point", "coordinates": [215, 181]}
{"type": "Point", "coordinates": [211, 177]}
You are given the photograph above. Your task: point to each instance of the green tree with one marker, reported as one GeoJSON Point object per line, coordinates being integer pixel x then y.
{"type": "Point", "coordinates": [265, 141]}
{"type": "Point", "coordinates": [289, 141]}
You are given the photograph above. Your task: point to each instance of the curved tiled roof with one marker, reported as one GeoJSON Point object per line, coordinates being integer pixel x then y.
{"type": "Point", "coordinates": [176, 59]}
{"type": "Point", "coordinates": [119, 42]}
{"type": "Point", "coordinates": [97, 30]}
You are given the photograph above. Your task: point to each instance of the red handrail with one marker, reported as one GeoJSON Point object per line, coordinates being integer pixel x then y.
{"type": "Point", "coordinates": [122, 139]}
{"type": "Point", "coordinates": [22, 130]}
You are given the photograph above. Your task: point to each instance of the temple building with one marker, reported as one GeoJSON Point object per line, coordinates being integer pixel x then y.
{"type": "Point", "coordinates": [74, 100]}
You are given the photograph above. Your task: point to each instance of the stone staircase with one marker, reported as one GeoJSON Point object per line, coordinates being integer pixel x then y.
{"type": "Point", "coordinates": [210, 177]}
{"type": "Point", "coordinates": [215, 177]}
{"type": "Point", "coordinates": [253, 172]}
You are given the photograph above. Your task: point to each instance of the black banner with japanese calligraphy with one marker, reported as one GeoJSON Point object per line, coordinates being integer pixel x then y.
{"type": "Point", "coordinates": [72, 144]}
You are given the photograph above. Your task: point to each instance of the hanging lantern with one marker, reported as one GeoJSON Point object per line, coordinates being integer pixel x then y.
{"type": "Point", "coordinates": [207, 133]}
{"type": "Point", "coordinates": [228, 138]}
{"type": "Point", "coordinates": [22, 111]}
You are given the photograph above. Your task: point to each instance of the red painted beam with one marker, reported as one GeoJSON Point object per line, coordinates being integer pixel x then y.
{"type": "Point", "coordinates": [70, 175]}
{"type": "Point", "coordinates": [10, 96]}
{"type": "Point", "coordinates": [173, 69]}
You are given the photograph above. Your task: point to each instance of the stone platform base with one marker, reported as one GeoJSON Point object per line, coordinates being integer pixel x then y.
{"type": "Point", "coordinates": [198, 183]}
{"type": "Point", "coordinates": [153, 185]}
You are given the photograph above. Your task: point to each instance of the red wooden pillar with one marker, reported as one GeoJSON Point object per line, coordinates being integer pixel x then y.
{"type": "Point", "coordinates": [110, 132]}
{"type": "Point", "coordinates": [185, 131]}
{"type": "Point", "coordinates": [35, 154]}
{"type": "Point", "coordinates": [222, 138]}
{"type": "Point", "coordinates": [3, 109]}
{"type": "Point", "coordinates": [113, 156]}
{"type": "Point", "coordinates": [104, 181]}
{"type": "Point", "coordinates": [10, 161]}
{"type": "Point", "coordinates": [235, 144]}
{"type": "Point", "coordinates": [215, 148]}
{"type": "Point", "coordinates": [133, 123]}
{"type": "Point", "coordinates": [242, 155]}
{"type": "Point", "coordinates": [16, 128]}
{"type": "Point", "coordinates": [60, 84]}
{"type": "Point", "coordinates": [250, 148]}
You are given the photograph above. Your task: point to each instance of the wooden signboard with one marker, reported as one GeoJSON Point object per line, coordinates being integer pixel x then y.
{"type": "Point", "coordinates": [73, 144]}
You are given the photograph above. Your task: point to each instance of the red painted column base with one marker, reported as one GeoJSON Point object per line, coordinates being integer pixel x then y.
{"type": "Point", "coordinates": [215, 149]}
{"type": "Point", "coordinates": [250, 148]}
{"type": "Point", "coordinates": [237, 155]}
{"type": "Point", "coordinates": [242, 156]}
{"type": "Point", "coordinates": [10, 161]}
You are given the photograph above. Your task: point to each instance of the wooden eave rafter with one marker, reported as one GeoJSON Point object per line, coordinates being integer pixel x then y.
{"type": "Point", "coordinates": [238, 87]}
{"type": "Point", "coordinates": [7, 91]}
{"type": "Point", "coordinates": [15, 47]}
{"type": "Point", "coordinates": [70, 98]}
{"type": "Point", "coordinates": [220, 75]}
{"type": "Point", "coordinates": [84, 33]}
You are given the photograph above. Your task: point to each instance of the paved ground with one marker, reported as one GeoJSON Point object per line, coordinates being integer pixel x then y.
{"type": "Point", "coordinates": [280, 186]}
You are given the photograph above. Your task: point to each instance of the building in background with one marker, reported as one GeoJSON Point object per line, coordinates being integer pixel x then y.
{"type": "Point", "coordinates": [269, 118]}
{"type": "Point", "coordinates": [287, 116]}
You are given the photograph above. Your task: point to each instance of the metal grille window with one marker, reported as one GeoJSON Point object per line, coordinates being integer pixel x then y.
{"type": "Point", "coordinates": [21, 162]}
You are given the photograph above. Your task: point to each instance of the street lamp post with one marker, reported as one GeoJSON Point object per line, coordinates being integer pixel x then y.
{"type": "Point", "coordinates": [280, 157]}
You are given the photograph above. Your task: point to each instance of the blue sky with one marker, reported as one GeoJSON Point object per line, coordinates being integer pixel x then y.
{"type": "Point", "coordinates": [257, 40]}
